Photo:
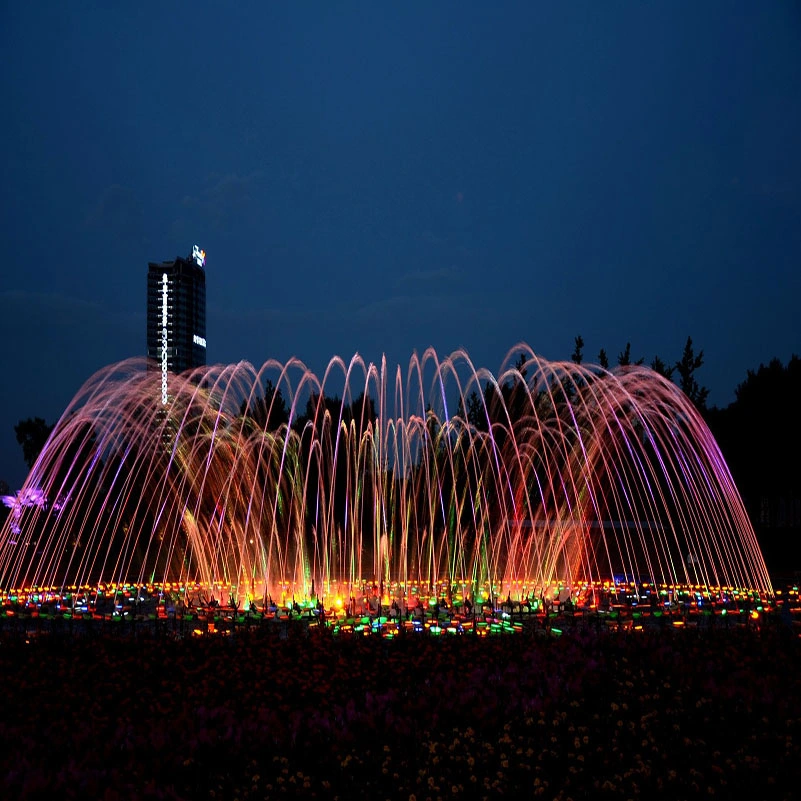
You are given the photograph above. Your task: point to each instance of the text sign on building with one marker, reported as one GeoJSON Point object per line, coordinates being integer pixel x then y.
{"type": "Point", "coordinates": [199, 340]}
{"type": "Point", "coordinates": [199, 256]}
{"type": "Point", "coordinates": [164, 338]}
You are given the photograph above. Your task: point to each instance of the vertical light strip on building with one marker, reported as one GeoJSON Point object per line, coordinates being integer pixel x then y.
{"type": "Point", "coordinates": [164, 338]}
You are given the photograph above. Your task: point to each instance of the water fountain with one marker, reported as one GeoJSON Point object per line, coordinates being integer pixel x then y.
{"type": "Point", "coordinates": [374, 482]}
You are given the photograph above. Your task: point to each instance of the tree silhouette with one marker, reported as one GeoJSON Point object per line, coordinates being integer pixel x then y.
{"type": "Point", "coordinates": [578, 352]}
{"type": "Point", "coordinates": [603, 359]}
{"type": "Point", "coordinates": [624, 357]}
{"type": "Point", "coordinates": [472, 411]}
{"type": "Point", "coordinates": [759, 434]}
{"type": "Point", "coordinates": [686, 368]}
{"type": "Point", "coordinates": [476, 415]}
{"type": "Point", "coordinates": [658, 366]}
{"type": "Point", "coordinates": [32, 434]}
{"type": "Point", "coordinates": [268, 412]}
{"type": "Point", "coordinates": [520, 364]}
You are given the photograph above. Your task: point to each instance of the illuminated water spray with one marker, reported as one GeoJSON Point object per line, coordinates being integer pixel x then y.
{"type": "Point", "coordinates": [445, 478]}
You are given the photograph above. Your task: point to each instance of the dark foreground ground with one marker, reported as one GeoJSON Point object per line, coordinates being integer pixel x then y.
{"type": "Point", "coordinates": [665, 714]}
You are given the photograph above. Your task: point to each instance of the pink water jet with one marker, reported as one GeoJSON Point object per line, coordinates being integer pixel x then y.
{"type": "Point", "coordinates": [442, 479]}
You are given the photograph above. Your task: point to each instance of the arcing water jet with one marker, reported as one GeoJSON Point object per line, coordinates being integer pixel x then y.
{"type": "Point", "coordinates": [274, 482]}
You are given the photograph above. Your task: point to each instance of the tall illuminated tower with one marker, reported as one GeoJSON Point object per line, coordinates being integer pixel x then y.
{"type": "Point", "coordinates": [176, 315]}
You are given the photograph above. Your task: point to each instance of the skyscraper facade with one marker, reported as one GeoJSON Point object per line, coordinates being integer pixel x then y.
{"type": "Point", "coordinates": [176, 315]}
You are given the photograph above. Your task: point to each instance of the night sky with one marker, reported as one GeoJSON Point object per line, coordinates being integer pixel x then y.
{"type": "Point", "coordinates": [384, 177]}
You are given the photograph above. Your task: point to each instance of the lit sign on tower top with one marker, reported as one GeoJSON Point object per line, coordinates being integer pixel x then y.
{"type": "Point", "coordinates": [199, 256]}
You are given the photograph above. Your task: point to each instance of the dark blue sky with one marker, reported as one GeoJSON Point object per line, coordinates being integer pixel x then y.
{"type": "Point", "coordinates": [380, 179]}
